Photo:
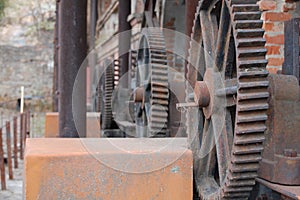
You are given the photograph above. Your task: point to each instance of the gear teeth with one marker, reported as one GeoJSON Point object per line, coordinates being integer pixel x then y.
{"type": "Point", "coordinates": [237, 176]}
{"type": "Point", "coordinates": [252, 52]}
{"type": "Point", "coordinates": [251, 42]}
{"type": "Point", "coordinates": [251, 128]}
{"type": "Point", "coordinates": [252, 117]}
{"type": "Point", "coordinates": [248, 24]}
{"type": "Point", "coordinates": [248, 167]}
{"type": "Point", "coordinates": [251, 99]}
{"type": "Point", "coordinates": [246, 33]}
{"type": "Point", "coordinates": [237, 195]}
{"type": "Point", "coordinates": [254, 84]}
{"type": "Point", "coordinates": [248, 158]}
{"type": "Point", "coordinates": [245, 7]}
{"type": "Point", "coordinates": [260, 63]}
{"type": "Point", "coordinates": [256, 72]}
{"type": "Point", "coordinates": [253, 95]}
{"type": "Point", "coordinates": [243, 2]}
{"type": "Point", "coordinates": [250, 149]}
{"type": "Point", "coordinates": [107, 116]}
{"type": "Point", "coordinates": [249, 139]}
{"type": "Point", "coordinates": [159, 97]}
{"type": "Point", "coordinates": [254, 15]}
{"type": "Point", "coordinates": [238, 189]}
{"type": "Point", "coordinates": [253, 105]}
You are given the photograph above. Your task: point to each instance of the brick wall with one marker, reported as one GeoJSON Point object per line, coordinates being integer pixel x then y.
{"type": "Point", "coordinates": [275, 12]}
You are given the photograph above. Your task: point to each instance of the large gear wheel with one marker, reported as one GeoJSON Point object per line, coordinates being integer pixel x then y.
{"type": "Point", "coordinates": [228, 78]}
{"type": "Point", "coordinates": [106, 91]}
{"type": "Point", "coordinates": [152, 93]}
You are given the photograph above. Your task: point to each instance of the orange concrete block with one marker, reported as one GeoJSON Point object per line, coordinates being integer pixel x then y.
{"type": "Point", "coordinates": [93, 125]}
{"type": "Point", "coordinates": [108, 169]}
{"type": "Point", "coordinates": [52, 126]}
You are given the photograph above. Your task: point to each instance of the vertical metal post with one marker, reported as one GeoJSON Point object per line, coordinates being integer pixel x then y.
{"type": "Point", "coordinates": [24, 131]}
{"type": "Point", "coordinates": [55, 56]}
{"type": "Point", "coordinates": [2, 167]}
{"type": "Point", "coordinates": [8, 147]}
{"type": "Point", "coordinates": [28, 124]}
{"type": "Point", "coordinates": [22, 100]}
{"type": "Point", "coordinates": [291, 65]}
{"type": "Point", "coordinates": [124, 40]}
{"type": "Point", "coordinates": [73, 47]}
{"type": "Point", "coordinates": [21, 135]}
{"type": "Point", "coordinates": [15, 131]}
{"type": "Point", "coordinates": [93, 55]}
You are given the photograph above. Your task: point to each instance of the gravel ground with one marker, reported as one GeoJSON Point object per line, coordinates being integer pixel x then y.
{"type": "Point", "coordinates": [14, 188]}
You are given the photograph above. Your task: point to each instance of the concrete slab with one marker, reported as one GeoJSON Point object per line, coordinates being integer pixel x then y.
{"type": "Point", "coordinates": [108, 169]}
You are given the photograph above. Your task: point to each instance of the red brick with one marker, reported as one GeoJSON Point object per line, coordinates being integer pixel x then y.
{"type": "Point", "coordinates": [267, 5]}
{"type": "Point", "coordinates": [276, 16]}
{"type": "Point", "coordinates": [275, 61]}
{"type": "Point", "coordinates": [288, 6]}
{"type": "Point", "coordinates": [277, 39]}
{"type": "Point", "coordinates": [273, 50]}
{"type": "Point", "coordinates": [273, 26]}
{"type": "Point", "coordinates": [268, 26]}
{"type": "Point", "coordinates": [273, 70]}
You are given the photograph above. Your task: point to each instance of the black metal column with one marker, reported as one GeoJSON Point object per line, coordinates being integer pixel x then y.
{"type": "Point", "coordinates": [93, 54]}
{"type": "Point", "coordinates": [55, 70]}
{"type": "Point", "coordinates": [73, 48]}
{"type": "Point", "coordinates": [124, 39]}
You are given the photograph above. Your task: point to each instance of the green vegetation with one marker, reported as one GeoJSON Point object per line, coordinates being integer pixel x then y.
{"type": "Point", "coordinates": [3, 4]}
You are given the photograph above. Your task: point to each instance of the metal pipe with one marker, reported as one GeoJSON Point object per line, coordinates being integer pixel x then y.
{"type": "Point", "coordinates": [73, 48]}
{"type": "Point", "coordinates": [124, 40]}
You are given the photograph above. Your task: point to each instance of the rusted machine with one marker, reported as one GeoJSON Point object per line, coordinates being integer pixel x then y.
{"type": "Point", "coordinates": [242, 123]}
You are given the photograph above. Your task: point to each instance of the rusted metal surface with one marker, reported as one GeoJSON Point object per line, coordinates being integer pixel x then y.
{"type": "Point", "coordinates": [55, 89]}
{"type": "Point", "coordinates": [125, 169]}
{"type": "Point", "coordinates": [21, 135]}
{"type": "Point", "coordinates": [152, 113]}
{"type": "Point", "coordinates": [24, 135]}
{"type": "Point", "coordinates": [202, 96]}
{"type": "Point", "coordinates": [2, 166]}
{"type": "Point", "coordinates": [291, 64]}
{"type": "Point", "coordinates": [229, 49]}
{"type": "Point", "coordinates": [28, 117]}
{"type": "Point", "coordinates": [124, 40]}
{"type": "Point", "coordinates": [107, 88]}
{"type": "Point", "coordinates": [138, 94]}
{"type": "Point", "coordinates": [8, 146]}
{"type": "Point", "coordinates": [292, 192]}
{"type": "Point", "coordinates": [281, 157]}
{"type": "Point", "coordinates": [15, 133]}
{"type": "Point", "coordinates": [72, 42]}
